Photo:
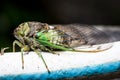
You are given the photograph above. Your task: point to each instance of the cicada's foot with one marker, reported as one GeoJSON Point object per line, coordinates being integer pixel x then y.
{"type": "Point", "coordinates": [26, 53]}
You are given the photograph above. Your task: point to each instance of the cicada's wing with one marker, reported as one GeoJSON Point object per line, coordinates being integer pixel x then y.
{"type": "Point", "coordinates": [83, 35]}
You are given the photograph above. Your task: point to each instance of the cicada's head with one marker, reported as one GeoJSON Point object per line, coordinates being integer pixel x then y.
{"type": "Point", "coordinates": [22, 31]}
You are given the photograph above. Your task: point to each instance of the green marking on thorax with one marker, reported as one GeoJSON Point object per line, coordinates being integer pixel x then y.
{"type": "Point", "coordinates": [45, 37]}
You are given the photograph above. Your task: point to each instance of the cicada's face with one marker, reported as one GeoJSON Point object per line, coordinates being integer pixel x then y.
{"type": "Point", "coordinates": [21, 31]}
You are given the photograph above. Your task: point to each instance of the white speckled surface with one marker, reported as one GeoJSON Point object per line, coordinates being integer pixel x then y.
{"type": "Point", "coordinates": [10, 63]}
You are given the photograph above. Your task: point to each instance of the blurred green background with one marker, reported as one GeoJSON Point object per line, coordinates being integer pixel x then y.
{"type": "Point", "coordinates": [12, 13]}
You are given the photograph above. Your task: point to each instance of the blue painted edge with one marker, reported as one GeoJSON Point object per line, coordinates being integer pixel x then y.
{"type": "Point", "coordinates": [67, 73]}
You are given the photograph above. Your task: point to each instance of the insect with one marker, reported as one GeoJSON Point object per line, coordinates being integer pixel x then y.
{"type": "Point", "coordinates": [39, 37]}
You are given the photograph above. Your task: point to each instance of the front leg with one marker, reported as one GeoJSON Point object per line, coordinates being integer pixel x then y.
{"type": "Point", "coordinates": [23, 48]}
{"type": "Point", "coordinates": [18, 43]}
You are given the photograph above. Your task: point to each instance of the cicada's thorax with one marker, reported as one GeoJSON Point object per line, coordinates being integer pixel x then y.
{"type": "Point", "coordinates": [36, 27]}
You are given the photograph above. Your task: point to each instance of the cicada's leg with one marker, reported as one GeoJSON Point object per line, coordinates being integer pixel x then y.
{"type": "Point", "coordinates": [22, 58]}
{"type": "Point", "coordinates": [20, 45]}
{"type": "Point", "coordinates": [3, 49]}
{"type": "Point", "coordinates": [49, 50]}
{"type": "Point", "coordinates": [40, 55]}
{"type": "Point", "coordinates": [43, 47]}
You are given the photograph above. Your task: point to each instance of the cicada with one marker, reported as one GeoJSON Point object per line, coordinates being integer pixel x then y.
{"type": "Point", "coordinates": [39, 37]}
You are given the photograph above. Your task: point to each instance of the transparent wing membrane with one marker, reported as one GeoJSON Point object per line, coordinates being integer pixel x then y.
{"type": "Point", "coordinates": [85, 37]}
